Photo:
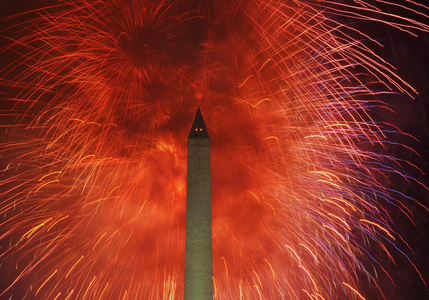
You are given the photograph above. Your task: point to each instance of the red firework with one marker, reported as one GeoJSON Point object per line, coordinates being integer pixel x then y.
{"type": "Point", "coordinates": [101, 98]}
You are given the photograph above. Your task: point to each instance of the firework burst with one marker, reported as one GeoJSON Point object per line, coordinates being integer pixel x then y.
{"type": "Point", "coordinates": [99, 101]}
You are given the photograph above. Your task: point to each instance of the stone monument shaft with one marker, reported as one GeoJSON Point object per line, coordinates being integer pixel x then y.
{"type": "Point", "coordinates": [198, 257]}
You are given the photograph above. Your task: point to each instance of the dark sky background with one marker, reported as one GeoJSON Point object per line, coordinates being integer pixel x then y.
{"type": "Point", "coordinates": [411, 56]}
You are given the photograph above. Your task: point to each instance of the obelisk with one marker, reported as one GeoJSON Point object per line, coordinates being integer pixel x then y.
{"type": "Point", "coordinates": [198, 257]}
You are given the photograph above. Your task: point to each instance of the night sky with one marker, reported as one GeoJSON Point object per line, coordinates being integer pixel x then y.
{"type": "Point", "coordinates": [409, 55]}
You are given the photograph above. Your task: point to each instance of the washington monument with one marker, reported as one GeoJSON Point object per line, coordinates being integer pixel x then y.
{"type": "Point", "coordinates": [198, 257]}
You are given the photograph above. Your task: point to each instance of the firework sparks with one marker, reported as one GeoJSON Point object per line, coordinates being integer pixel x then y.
{"type": "Point", "coordinates": [101, 95]}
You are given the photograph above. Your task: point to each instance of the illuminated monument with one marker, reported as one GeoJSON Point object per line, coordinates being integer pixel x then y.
{"type": "Point", "coordinates": [198, 257]}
